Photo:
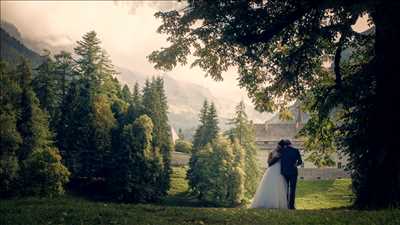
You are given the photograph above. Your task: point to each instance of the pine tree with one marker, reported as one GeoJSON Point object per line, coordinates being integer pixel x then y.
{"type": "Point", "coordinates": [45, 85]}
{"type": "Point", "coordinates": [70, 134]}
{"type": "Point", "coordinates": [198, 143]}
{"type": "Point", "coordinates": [237, 182]}
{"type": "Point", "coordinates": [205, 133]}
{"type": "Point", "coordinates": [37, 147]}
{"type": "Point", "coordinates": [126, 94]}
{"type": "Point", "coordinates": [137, 163]}
{"type": "Point", "coordinates": [32, 123]}
{"type": "Point", "coordinates": [243, 132]}
{"type": "Point", "coordinates": [63, 68]}
{"type": "Point", "coordinates": [136, 96]}
{"type": "Point", "coordinates": [104, 123]}
{"type": "Point", "coordinates": [10, 139]}
{"type": "Point", "coordinates": [212, 128]}
{"type": "Point", "coordinates": [89, 55]}
{"type": "Point", "coordinates": [85, 133]}
{"type": "Point", "coordinates": [155, 105]}
{"type": "Point", "coordinates": [200, 131]}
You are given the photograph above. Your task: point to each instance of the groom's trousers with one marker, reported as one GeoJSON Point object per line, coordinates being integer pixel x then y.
{"type": "Point", "coordinates": [291, 181]}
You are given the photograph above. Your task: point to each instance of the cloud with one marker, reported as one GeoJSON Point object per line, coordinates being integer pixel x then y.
{"type": "Point", "coordinates": [127, 31]}
{"type": "Point", "coordinates": [157, 5]}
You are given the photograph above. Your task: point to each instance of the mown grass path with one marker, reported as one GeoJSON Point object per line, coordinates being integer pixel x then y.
{"type": "Point", "coordinates": [314, 199]}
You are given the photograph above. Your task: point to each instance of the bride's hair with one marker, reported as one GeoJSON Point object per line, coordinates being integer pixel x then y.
{"type": "Point", "coordinates": [279, 148]}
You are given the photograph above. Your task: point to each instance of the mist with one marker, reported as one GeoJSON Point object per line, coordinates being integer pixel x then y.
{"type": "Point", "coordinates": [127, 31]}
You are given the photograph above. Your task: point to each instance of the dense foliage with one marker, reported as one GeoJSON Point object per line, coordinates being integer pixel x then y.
{"type": "Point", "coordinates": [219, 170]}
{"type": "Point", "coordinates": [243, 132]}
{"type": "Point", "coordinates": [30, 164]}
{"type": "Point", "coordinates": [136, 157]}
{"type": "Point", "coordinates": [204, 134]}
{"type": "Point", "coordinates": [114, 143]}
{"type": "Point", "coordinates": [223, 171]}
{"type": "Point", "coordinates": [183, 146]}
{"type": "Point", "coordinates": [279, 47]}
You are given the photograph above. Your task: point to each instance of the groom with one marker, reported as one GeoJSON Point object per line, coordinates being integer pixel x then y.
{"type": "Point", "coordinates": [290, 159]}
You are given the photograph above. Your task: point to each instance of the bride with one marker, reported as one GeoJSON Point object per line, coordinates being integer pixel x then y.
{"type": "Point", "coordinates": [272, 190]}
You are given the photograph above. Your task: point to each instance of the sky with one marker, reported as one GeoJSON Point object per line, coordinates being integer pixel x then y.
{"type": "Point", "coordinates": [126, 29]}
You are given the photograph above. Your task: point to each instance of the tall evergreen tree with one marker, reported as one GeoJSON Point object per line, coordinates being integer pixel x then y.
{"type": "Point", "coordinates": [200, 131]}
{"type": "Point", "coordinates": [71, 134]}
{"type": "Point", "coordinates": [85, 133]}
{"type": "Point", "coordinates": [155, 105]}
{"type": "Point", "coordinates": [137, 164]}
{"type": "Point", "coordinates": [36, 146]}
{"type": "Point", "coordinates": [205, 133]}
{"type": "Point", "coordinates": [104, 123]}
{"type": "Point", "coordinates": [89, 54]}
{"type": "Point", "coordinates": [64, 69]}
{"type": "Point", "coordinates": [243, 132]}
{"type": "Point", "coordinates": [136, 95]}
{"type": "Point", "coordinates": [45, 85]}
{"type": "Point", "coordinates": [32, 123]}
{"type": "Point", "coordinates": [126, 94]}
{"type": "Point", "coordinates": [10, 139]}
{"type": "Point", "coordinates": [212, 128]}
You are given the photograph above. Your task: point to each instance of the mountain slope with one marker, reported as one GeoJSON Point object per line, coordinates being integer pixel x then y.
{"type": "Point", "coordinates": [184, 99]}
{"type": "Point", "coordinates": [12, 50]}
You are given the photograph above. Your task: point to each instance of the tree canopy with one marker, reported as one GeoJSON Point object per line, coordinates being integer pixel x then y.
{"type": "Point", "coordinates": [278, 49]}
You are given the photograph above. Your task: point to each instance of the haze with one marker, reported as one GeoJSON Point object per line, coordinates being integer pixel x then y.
{"type": "Point", "coordinates": [126, 29]}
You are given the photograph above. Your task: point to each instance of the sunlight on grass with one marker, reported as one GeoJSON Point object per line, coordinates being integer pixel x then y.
{"type": "Point", "coordinates": [324, 194]}
{"type": "Point", "coordinates": [312, 196]}
{"type": "Point", "coordinates": [319, 194]}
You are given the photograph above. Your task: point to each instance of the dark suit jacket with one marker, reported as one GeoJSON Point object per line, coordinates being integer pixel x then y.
{"type": "Point", "coordinates": [290, 159]}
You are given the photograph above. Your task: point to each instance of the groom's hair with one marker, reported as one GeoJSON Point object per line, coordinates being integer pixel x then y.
{"type": "Point", "coordinates": [282, 143]}
{"type": "Point", "coordinates": [287, 142]}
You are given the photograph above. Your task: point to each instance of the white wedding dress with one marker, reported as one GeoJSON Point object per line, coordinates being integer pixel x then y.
{"type": "Point", "coordinates": [272, 190]}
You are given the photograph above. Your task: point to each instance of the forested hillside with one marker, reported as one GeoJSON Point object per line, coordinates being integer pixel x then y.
{"type": "Point", "coordinates": [69, 120]}
{"type": "Point", "coordinates": [12, 49]}
{"type": "Point", "coordinates": [185, 99]}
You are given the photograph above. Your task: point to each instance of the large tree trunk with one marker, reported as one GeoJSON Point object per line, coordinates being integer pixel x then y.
{"type": "Point", "coordinates": [383, 179]}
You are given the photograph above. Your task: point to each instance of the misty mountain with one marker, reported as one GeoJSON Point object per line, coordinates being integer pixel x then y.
{"type": "Point", "coordinates": [12, 47]}
{"type": "Point", "coordinates": [54, 43]}
{"type": "Point", "coordinates": [184, 99]}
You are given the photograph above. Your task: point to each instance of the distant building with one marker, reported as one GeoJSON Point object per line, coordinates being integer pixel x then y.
{"type": "Point", "coordinates": [268, 135]}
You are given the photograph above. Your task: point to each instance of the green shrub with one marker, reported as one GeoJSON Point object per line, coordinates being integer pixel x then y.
{"type": "Point", "coordinates": [43, 173]}
{"type": "Point", "coordinates": [219, 169]}
{"type": "Point", "coordinates": [183, 146]}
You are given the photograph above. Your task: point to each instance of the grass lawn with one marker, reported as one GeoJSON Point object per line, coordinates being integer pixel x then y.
{"type": "Point", "coordinates": [321, 194]}
{"type": "Point", "coordinates": [314, 197]}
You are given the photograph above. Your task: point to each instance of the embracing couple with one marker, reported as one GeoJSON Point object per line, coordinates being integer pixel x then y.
{"type": "Point", "coordinates": [277, 189]}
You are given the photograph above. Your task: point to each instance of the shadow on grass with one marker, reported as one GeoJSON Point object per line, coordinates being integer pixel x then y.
{"type": "Point", "coordinates": [185, 199]}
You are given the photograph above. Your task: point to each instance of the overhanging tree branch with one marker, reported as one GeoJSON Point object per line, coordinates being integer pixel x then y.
{"type": "Point", "coordinates": [272, 29]}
